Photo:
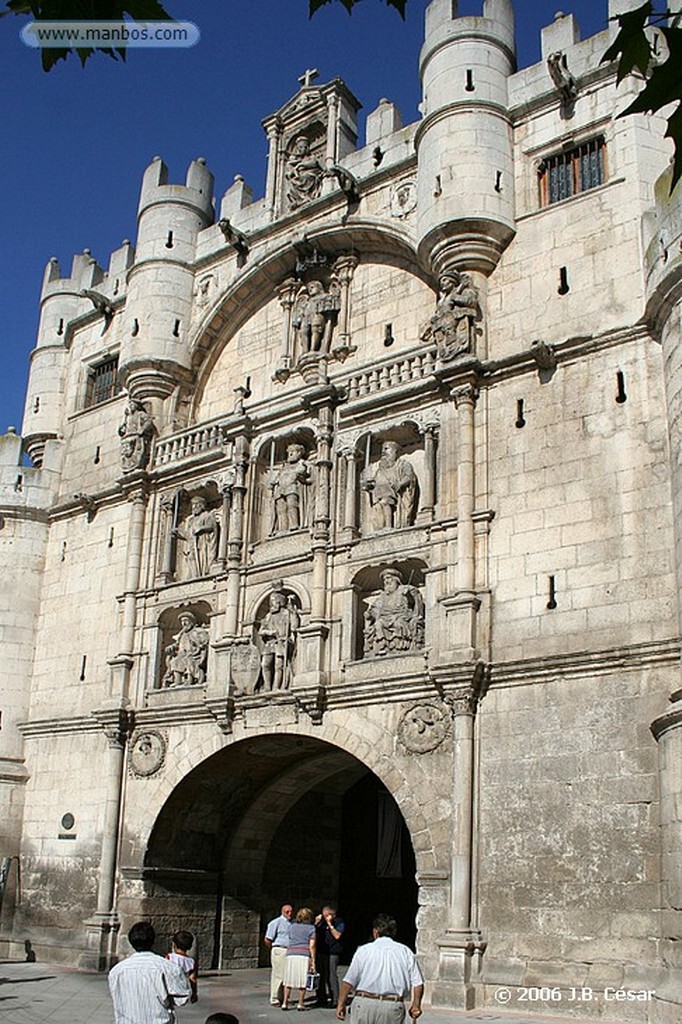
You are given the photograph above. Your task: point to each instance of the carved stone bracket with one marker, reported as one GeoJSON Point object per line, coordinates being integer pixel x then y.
{"type": "Point", "coordinates": [224, 710]}
{"type": "Point", "coordinates": [544, 355]}
{"type": "Point", "coordinates": [315, 705]}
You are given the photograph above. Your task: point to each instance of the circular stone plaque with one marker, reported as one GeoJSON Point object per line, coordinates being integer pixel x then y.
{"type": "Point", "coordinates": [147, 753]}
{"type": "Point", "coordinates": [423, 727]}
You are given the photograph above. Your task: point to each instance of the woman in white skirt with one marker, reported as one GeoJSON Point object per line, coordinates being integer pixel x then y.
{"type": "Point", "coordinates": [300, 956]}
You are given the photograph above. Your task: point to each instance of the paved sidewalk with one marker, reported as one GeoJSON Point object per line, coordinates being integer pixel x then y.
{"type": "Point", "coordinates": [51, 994]}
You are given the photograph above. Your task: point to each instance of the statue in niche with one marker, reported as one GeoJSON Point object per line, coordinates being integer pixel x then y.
{"type": "Point", "coordinates": [303, 174]}
{"type": "Point", "coordinates": [394, 620]}
{"type": "Point", "coordinates": [289, 487]}
{"type": "Point", "coordinates": [392, 488]}
{"type": "Point", "coordinates": [277, 633]}
{"type": "Point", "coordinates": [314, 316]}
{"type": "Point", "coordinates": [136, 433]}
{"type": "Point", "coordinates": [187, 653]}
{"type": "Point", "coordinates": [200, 533]}
{"type": "Point", "coordinates": [452, 326]}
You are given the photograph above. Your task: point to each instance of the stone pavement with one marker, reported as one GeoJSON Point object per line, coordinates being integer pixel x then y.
{"type": "Point", "coordinates": [54, 994]}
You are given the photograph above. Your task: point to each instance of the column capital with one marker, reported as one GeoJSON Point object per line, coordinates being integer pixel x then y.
{"type": "Point", "coordinates": [117, 723]}
{"type": "Point", "coordinates": [464, 395]}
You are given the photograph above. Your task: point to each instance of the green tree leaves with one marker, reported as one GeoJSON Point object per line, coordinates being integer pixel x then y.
{"type": "Point", "coordinates": [85, 10]}
{"type": "Point", "coordinates": [634, 51]}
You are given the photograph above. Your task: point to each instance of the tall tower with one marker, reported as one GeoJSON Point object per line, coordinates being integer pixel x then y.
{"type": "Point", "coordinates": [664, 312]}
{"type": "Point", "coordinates": [154, 354]}
{"type": "Point", "coordinates": [466, 204]}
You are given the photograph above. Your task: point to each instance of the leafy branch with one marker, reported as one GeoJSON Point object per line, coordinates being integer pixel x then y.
{"type": "Point", "coordinates": [636, 51]}
{"type": "Point", "coordinates": [85, 10]}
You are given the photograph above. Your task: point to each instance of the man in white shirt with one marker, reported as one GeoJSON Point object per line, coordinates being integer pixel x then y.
{"type": "Point", "coordinates": [383, 974]}
{"type": "Point", "coordinates": [277, 941]}
{"type": "Point", "coordinates": [146, 988]}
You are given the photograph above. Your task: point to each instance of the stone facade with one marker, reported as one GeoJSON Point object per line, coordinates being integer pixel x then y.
{"type": "Point", "coordinates": [360, 505]}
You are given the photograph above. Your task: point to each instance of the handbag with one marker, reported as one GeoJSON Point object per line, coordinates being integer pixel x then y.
{"type": "Point", "coordinates": [312, 981]}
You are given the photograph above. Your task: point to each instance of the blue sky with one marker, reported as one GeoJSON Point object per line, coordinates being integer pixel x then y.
{"type": "Point", "coordinates": [77, 141]}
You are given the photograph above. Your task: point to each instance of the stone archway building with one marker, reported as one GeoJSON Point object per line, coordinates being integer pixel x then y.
{"type": "Point", "coordinates": [353, 503]}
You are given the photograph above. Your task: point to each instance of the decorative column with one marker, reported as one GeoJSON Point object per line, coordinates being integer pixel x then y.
{"type": "Point", "coordinates": [102, 929]}
{"type": "Point", "coordinates": [312, 636]}
{"type": "Point", "coordinates": [428, 504]}
{"type": "Point", "coordinates": [169, 506]}
{"type": "Point", "coordinates": [461, 606]}
{"type": "Point", "coordinates": [350, 497]}
{"type": "Point", "coordinates": [344, 269]}
{"type": "Point", "coordinates": [668, 732]}
{"type": "Point", "coordinates": [274, 137]}
{"type": "Point", "coordinates": [116, 719]}
{"type": "Point", "coordinates": [286, 293]}
{"type": "Point", "coordinates": [235, 540]}
{"type": "Point", "coordinates": [331, 153]}
{"type": "Point", "coordinates": [226, 486]}
{"type": "Point", "coordinates": [462, 946]}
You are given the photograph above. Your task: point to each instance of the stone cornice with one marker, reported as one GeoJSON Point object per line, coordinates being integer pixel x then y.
{"type": "Point", "coordinates": [400, 681]}
{"type": "Point", "coordinates": [628, 658]}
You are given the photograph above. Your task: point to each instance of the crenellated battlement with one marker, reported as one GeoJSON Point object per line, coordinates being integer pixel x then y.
{"type": "Point", "coordinates": [196, 193]}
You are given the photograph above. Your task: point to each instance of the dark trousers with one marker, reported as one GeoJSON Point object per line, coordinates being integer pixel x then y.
{"type": "Point", "coordinates": [329, 980]}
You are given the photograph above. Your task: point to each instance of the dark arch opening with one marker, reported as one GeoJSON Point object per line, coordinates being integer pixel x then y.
{"type": "Point", "coordinates": [270, 820]}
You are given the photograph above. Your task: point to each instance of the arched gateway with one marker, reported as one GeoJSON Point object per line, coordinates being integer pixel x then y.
{"type": "Point", "coordinates": [274, 819]}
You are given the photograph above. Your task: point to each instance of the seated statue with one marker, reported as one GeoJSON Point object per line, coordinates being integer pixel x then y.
{"type": "Point", "coordinates": [394, 620]}
{"type": "Point", "coordinates": [186, 654]}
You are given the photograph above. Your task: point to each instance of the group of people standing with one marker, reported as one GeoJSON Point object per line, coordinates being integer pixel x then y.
{"type": "Point", "coordinates": [382, 978]}
{"type": "Point", "coordinates": [301, 947]}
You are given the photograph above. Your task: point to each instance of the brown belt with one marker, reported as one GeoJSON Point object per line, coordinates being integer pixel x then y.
{"type": "Point", "coordinates": [374, 995]}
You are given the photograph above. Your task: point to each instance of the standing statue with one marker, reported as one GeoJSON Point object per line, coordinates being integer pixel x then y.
{"type": "Point", "coordinates": [394, 621]}
{"type": "Point", "coordinates": [187, 653]}
{"type": "Point", "coordinates": [392, 488]}
{"type": "Point", "coordinates": [314, 317]}
{"type": "Point", "coordinates": [289, 487]}
{"type": "Point", "coordinates": [277, 632]}
{"type": "Point", "coordinates": [200, 532]}
{"type": "Point", "coordinates": [136, 433]}
{"type": "Point", "coordinates": [452, 326]}
{"type": "Point", "coordinates": [303, 174]}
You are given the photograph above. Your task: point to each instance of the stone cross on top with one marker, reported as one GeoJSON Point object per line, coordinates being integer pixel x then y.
{"type": "Point", "coordinates": [308, 77]}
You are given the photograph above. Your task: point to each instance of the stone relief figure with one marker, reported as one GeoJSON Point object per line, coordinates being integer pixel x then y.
{"type": "Point", "coordinates": [200, 533]}
{"type": "Point", "coordinates": [277, 633]}
{"type": "Point", "coordinates": [452, 326]}
{"type": "Point", "coordinates": [394, 620]}
{"type": "Point", "coordinates": [136, 433]}
{"type": "Point", "coordinates": [303, 174]}
{"type": "Point", "coordinates": [392, 488]}
{"type": "Point", "coordinates": [314, 316]}
{"type": "Point", "coordinates": [289, 488]}
{"type": "Point", "coordinates": [186, 654]}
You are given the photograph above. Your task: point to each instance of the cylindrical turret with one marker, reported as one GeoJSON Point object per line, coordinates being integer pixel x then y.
{"type": "Point", "coordinates": [664, 313]}
{"type": "Point", "coordinates": [60, 302]}
{"type": "Point", "coordinates": [465, 179]}
{"type": "Point", "coordinates": [154, 354]}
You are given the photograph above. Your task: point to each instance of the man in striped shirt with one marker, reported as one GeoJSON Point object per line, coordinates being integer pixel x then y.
{"type": "Point", "coordinates": [146, 988]}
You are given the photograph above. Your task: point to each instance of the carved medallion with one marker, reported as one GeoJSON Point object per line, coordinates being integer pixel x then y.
{"type": "Point", "coordinates": [424, 727]}
{"type": "Point", "coordinates": [403, 198]}
{"type": "Point", "coordinates": [147, 753]}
